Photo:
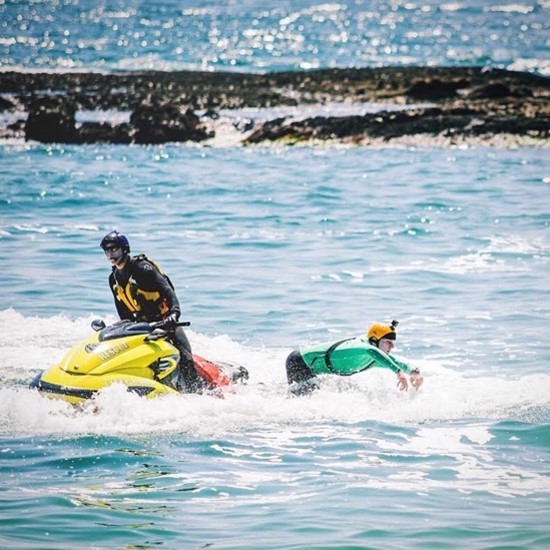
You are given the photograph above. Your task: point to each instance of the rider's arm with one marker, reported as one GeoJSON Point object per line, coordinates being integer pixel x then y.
{"type": "Point", "coordinates": [154, 280]}
{"type": "Point", "coordinates": [386, 361]}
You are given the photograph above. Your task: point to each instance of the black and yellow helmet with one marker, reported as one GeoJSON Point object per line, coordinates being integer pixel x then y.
{"type": "Point", "coordinates": [378, 331]}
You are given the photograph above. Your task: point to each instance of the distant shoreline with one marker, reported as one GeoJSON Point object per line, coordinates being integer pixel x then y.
{"type": "Point", "coordinates": [466, 104]}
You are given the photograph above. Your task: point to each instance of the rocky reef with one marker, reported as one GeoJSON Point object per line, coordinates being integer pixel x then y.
{"type": "Point", "coordinates": [452, 103]}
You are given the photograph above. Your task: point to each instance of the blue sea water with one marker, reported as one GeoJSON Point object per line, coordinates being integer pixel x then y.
{"type": "Point", "coordinates": [254, 35]}
{"type": "Point", "coordinates": [270, 248]}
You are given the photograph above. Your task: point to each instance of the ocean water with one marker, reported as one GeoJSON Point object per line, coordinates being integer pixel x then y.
{"type": "Point", "coordinates": [271, 248]}
{"type": "Point", "coordinates": [259, 36]}
{"type": "Point", "coordinates": [268, 249]}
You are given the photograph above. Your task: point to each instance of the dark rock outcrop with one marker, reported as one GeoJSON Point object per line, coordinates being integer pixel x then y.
{"type": "Point", "coordinates": [391, 125]}
{"type": "Point", "coordinates": [103, 132]}
{"type": "Point", "coordinates": [6, 104]}
{"type": "Point", "coordinates": [162, 106]}
{"type": "Point", "coordinates": [51, 119]}
{"type": "Point", "coordinates": [166, 123]}
{"type": "Point", "coordinates": [435, 90]}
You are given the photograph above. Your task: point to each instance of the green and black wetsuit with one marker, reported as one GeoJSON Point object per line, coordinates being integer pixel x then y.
{"type": "Point", "coordinates": [343, 358]}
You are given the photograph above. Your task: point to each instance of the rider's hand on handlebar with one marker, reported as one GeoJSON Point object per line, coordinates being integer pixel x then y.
{"type": "Point", "coordinates": [172, 320]}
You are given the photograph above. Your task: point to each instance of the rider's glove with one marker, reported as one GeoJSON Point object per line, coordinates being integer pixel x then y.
{"type": "Point", "coordinates": [172, 319]}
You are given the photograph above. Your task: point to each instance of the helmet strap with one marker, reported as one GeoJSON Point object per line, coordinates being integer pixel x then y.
{"type": "Point", "coordinates": [123, 259]}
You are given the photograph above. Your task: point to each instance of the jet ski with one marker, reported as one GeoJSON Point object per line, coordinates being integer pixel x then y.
{"type": "Point", "coordinates": [138, 355]}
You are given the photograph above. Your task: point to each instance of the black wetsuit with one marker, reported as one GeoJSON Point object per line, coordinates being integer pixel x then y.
{"type": "Point", "coordinates": [143, 293]}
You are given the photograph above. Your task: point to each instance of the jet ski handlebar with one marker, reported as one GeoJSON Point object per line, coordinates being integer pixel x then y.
{"type": "Point", "coordinates": [165, 324]}
{"type": "Point", "coordinates": [161, 329]}
{"type": "Point", "coordinates": [128, 327]}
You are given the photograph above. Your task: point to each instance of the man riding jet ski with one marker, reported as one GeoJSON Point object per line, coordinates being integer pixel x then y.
{"type": "Point", "coordinates": [147, 351]}
{"type": "Point", "coordinates": [142, 292]}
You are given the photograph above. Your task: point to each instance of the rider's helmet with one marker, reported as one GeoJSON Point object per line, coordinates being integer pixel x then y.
{"type": "Point", "coordinates": [378, 331]}
{"type": "Point", "coordinates": [114, 239]}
